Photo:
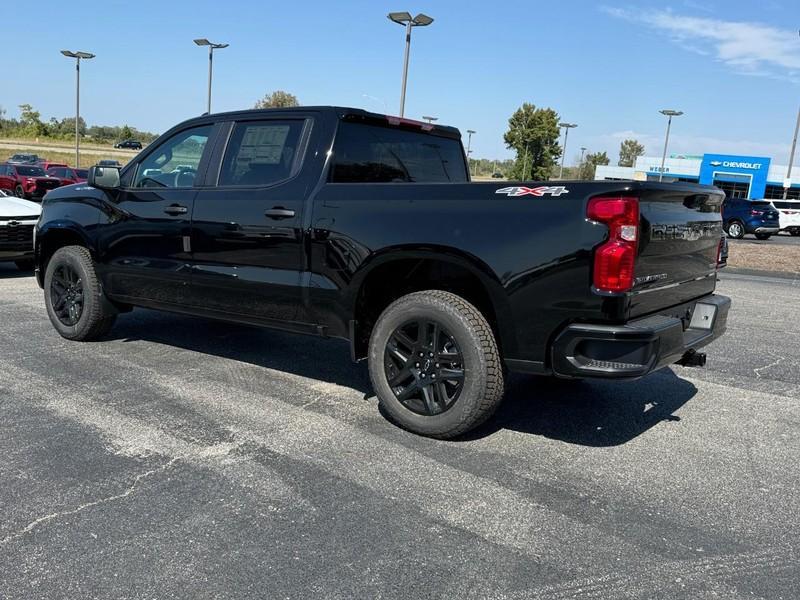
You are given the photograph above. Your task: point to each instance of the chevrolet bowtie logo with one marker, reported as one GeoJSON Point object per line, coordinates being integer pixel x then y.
{"type": "Point", "coordinates": [715, 163]}
{"type": "Point", "coordinates": [13, 223]}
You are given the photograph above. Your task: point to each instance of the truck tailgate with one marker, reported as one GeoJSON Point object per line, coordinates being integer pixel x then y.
{"type": "Point", "coordinates": [681, 229]}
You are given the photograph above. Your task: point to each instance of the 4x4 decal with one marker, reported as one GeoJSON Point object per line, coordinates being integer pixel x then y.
{"type": "Point", "coordinates": [514, 191]}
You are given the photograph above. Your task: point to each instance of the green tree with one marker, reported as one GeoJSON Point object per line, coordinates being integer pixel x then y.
{"type": "Point", "coordinates": [628, 151]}
{"type": "Point", "coordinates": [277, 99]}
{"type": "Point", "coordinates": [31, 121]}
{"type": "Point", "coordinates": [126, 133]}
{"type": "Point", "coordinates": [533, 133]}
{"type": "Point", "coordinates": [587, 168]}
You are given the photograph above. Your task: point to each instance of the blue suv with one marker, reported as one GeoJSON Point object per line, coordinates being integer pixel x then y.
{"type": "Point", "coordinates": [741, 216]}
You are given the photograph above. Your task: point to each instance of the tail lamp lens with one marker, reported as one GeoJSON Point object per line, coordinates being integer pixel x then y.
{"type": "Point", "coordinates": [614, 260]}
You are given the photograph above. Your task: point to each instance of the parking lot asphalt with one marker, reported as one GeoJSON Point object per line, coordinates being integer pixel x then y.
{"type": "Point", "coordinates": [183, 458]}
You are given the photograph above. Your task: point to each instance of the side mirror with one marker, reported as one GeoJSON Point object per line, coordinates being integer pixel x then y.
{"type": "Point", "coordinates": [104, 178]}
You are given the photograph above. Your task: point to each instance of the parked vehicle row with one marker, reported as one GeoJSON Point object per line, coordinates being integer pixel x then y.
{"type": "Point", "coordinates": [30, 176]}
{"type": "Point", "coordinates": [17, 220]}
{"type": "Point", "coordinates": [761, 218]}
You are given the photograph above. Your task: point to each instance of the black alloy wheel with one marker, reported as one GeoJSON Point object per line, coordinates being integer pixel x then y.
{"type": "Point", "coordinates": [66, 294]}
{"type": "Point", "coordinates": [424, 367]}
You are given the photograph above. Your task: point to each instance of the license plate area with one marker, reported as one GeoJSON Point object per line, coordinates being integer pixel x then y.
{"type": "Point", "coordinates": [703, 316]}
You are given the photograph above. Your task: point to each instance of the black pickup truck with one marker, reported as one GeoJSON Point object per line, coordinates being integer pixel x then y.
{"type": "Point", "coordinates": [339, 222]}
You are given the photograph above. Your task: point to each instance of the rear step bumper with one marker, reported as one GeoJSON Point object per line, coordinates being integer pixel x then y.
{"type": "Point", "coordinates": [640, 346]}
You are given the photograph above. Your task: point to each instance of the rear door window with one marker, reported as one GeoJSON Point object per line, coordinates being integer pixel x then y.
{"type": "Point", "coordinates": [373, 154]}
{"type": "Point", "coordinates": [262, 153]}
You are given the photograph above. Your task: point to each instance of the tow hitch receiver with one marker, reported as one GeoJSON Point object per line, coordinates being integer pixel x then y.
{"type": "Point", "coordinates": [692, 358]}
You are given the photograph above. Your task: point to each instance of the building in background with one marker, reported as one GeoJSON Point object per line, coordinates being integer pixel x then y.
{"type": "Point", "coordinates": [753, 177]}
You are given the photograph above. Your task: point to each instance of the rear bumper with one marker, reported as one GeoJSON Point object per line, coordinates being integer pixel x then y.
{"type": "Point", "coordinates": [767, 229]}
{"type": "Point", "coordinates": [641, 346]}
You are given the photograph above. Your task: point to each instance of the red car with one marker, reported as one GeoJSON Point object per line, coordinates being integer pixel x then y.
{"type": "Point", "coordinates": [26, 181]}
{"type": "Point", "coordinates": [68, 175]}
{"type": "Point", "coordinates": [49, 164]}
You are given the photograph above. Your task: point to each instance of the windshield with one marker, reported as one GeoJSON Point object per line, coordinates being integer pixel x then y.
{"type": "Point", "coordinates": [31, 171]}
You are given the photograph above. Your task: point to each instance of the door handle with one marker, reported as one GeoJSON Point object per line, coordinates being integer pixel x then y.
{"type": "Point", "coordinates": [279, 212]}
{"type": "Point", "coordinates": [176, 209]}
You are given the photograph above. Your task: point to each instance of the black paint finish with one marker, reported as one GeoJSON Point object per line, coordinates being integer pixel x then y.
{"type": "Point", "coordinates": [296, 254]}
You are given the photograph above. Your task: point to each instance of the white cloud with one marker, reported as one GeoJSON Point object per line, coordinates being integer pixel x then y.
{"type": "Point", "coordinates": [748, 47]}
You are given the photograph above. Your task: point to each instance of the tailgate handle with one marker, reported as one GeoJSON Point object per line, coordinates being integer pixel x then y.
{"type": "Point", "coordinates": [278, 212]}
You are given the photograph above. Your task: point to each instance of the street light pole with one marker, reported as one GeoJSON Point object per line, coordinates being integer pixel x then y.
{"type": "Point", "coordinates": [469, 145]}
{"type": "Point", "coordinates": [405, 19]}
{"type": "Point", "coordinates": [77, 56]}
{"type": "Point", "coordinates": [668, 113]}
{"type": "Point", "coordinates": [567, 127]}
{"type": "Point", "coordinates": [788, 183]}
{"type": "Point", "coordinates": [211, 47]}
{"type": "Point", "coordinates": [583, 149]}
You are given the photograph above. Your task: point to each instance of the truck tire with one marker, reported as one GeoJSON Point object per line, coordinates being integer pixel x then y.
{"type": "Point", "coordinates": [763, 236]}
{"type": "Point", "coordinates": [73, 296]}
{"type": "Point", "coordinates": [434, 364]}
{"type": "Point", "coordinates": [736, 230]}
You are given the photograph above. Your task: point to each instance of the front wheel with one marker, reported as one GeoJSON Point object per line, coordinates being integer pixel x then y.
{"type": "Point", "coordinates": [763, 236]}
{"type": "Point", "coordinates": [73, 296]}
{"type": "Point", "coordinates": [794, 232]}
{"type": "Point", "coordinates": [19, 192]}
{"type": "Point", "coordinates": [434, 364]}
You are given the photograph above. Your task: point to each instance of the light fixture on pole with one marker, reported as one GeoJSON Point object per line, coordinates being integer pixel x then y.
{"type": "Point", "coordinates": [77, 56]}
{"type": "Point", "coordinates": [787, 183]}
{"type": "Point", "coordinates": [211, 47]}
{"type": "Point", "coordinates": [430, 119]}
{"type": "Point", "coordinates": [567, 127]}
{"type": "Point", "coordinates": [405, 19]}
{"type": "Point", "coordinates": [469, 144]}
{"type": "Point", "coordinates": [668, 113]}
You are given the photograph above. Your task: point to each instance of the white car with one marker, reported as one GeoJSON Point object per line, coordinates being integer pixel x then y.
{"type": "Point", "coordinates": [789, 215]}
{"type": "Point", "coordinates": [18, 217]}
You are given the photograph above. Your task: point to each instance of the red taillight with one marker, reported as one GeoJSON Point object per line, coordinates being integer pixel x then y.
{"type": "Point", "coordinates": [615, 259]}
{"type": "Point", "coordinates": [756, 213]}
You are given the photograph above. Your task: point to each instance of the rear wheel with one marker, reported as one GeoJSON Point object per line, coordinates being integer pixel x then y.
{"type": "Point", "coordinates": [794, 232]}
{"type": "Point", "coordinates": [763, 236]}
{"type": "Point", "coordinates": [434, 364]}
{"type": "Point", "coordinates": [736, 230]}
{"type": "Point", "coordinates": [73, 296]}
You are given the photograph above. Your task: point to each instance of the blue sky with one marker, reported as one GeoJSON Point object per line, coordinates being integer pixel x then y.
{"type": "Point", "coordinates": [732, 66]}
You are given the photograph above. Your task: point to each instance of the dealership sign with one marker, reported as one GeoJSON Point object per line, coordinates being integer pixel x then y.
{"type": "Point", "coordinates": [736, 164]}
{"type": "Point", "coordinates": [722, 169]}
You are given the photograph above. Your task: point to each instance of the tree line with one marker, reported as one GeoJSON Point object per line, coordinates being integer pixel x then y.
{"type": "Point", "coordinates": [30, 125]}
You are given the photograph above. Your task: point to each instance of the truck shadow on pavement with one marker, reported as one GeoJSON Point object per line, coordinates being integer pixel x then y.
{"type": "Point", "coordinates": [587, 413]}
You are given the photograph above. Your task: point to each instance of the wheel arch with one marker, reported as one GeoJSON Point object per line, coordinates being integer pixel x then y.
{"type": "Point", "coordinates": [400, 270]}
{"type": "Point", "coordinates": [54, 235]}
